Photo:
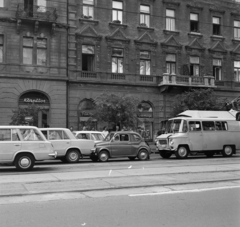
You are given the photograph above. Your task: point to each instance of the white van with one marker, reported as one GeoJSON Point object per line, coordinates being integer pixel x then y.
{"type": "Point", "coordinates": [207, 132]}
{"type": "Point", "coordinates": [23, 145]}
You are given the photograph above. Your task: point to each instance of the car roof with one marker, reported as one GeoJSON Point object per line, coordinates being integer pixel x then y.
{"type": "Point", "coordinates": [17, 126]}
{"type": "Point", "coordinates": [87, 132]}
{"type": "Point", "coordinates": [54, 129]}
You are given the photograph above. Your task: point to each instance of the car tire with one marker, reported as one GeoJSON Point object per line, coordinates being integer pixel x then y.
{"type": "Point", "coordinates": [72, 156]}
{"type": "Point", "coordinates": [182, 152]}
{"type": "Point", "coordinates": [227, 151]}
{"type": "Point", "coordinates": [143, 155]}
{"type": "Point", "coordinates": [103, 156]}
{"type": "Point", "coordinates": [165, 154]}
{"type": "Point", "coordinates": [24, 162]}
{"type": "Point", "coordinates": [132, 158]}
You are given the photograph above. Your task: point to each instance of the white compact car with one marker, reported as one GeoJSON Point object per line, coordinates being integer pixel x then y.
{"type": "Point", "coordinates": [23, 145]}
{"type": "Point", "coordinates": [69, 149]}
{"type": "Point", "coordinates": [96, 136]}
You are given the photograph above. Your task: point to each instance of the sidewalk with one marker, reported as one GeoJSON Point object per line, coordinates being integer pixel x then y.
{"type": "Point", "coordinates": [32, 184]}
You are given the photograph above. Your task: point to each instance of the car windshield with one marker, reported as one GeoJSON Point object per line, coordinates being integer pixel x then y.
{"type": "Point", "coordinates": [173, 126]}
{"type": "Point", "coordinates": [109, 136]}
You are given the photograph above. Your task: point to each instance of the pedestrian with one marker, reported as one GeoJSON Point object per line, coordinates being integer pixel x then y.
{"type": "Point", "coordinates": [71, 128]}
{"type": "Point", "coordinates": [117, 128]}
{"type": "Point", "coordinates": [105, 131]}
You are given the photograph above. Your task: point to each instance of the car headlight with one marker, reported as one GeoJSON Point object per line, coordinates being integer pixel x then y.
{"type": "Point", "coordinates": [171, 142]}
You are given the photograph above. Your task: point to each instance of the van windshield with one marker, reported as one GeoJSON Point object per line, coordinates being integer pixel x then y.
{"type": "Point", "coordinates": [173, 126]}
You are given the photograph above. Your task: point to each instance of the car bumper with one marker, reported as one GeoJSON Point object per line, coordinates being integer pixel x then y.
{"type": "Point", "coordinates": [54, 155]}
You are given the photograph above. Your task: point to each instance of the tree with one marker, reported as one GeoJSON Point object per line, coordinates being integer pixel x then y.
{"type": "Point", "coordinates": [116, 109]}
{"type": "Point", "coordinates": [198, 99]}
{"type": "Point", "coordinates": [19, 115]}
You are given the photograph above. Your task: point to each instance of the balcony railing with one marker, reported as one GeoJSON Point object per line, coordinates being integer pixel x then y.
{"type": "Point", "coordinates": [118, 78]}
{"type": "Point", "coordinates": [36, 13]}
{"type": "Point", "coordinates": [191, 81]}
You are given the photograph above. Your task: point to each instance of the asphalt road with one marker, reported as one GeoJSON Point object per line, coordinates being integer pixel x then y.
{"type": "Point", "coordinates": [201, 208]}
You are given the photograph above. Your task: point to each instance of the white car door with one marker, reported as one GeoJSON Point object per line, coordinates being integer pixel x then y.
{"type": "Point", "coordinates": [10, 143]}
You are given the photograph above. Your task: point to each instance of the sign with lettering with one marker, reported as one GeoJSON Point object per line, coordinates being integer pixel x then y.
{"type": "Point", "coordinates": [33, 98]}
{"type": "Point", "coordinates": [29, 100]}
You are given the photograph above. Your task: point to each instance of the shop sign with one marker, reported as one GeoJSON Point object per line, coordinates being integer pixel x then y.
{"type": "Point", "coordinates": [145, 115]}
{"type": "Point", "coordinates": [36, 100]}
{"type": "Point", "coordinates": [86, 114]}
{"type": "Point", "coordinates": [29, 119]}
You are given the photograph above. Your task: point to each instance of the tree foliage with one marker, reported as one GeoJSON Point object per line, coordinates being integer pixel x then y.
{"type": "Point", "coordinates": [19, 115]}
{"type": "Point", "coordinates": [198, 99]}
{"type": "Point", "coordinates": [116, 109]}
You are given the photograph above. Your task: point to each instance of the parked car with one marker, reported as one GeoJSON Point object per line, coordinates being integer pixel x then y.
{"type": "Point", "coordinates": [69, 149]}
{"type": "Point", "coordinates": [96, 136]}
{"type": "Point", "coordinates": [121, 144]}
{"type": "Point", "coordinates": [23, 145]}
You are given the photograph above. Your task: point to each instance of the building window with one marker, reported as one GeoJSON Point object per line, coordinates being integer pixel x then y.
{"type": "Point", "coordinates": [88, 9]}
{"type": "Point", "coordinates": [145, 64]}
{"type": "Point", "coordinates": [1, 3]}
{"type": "Point", "coordinates": [1, 48]}
{"type": "Point", "coordinates": [87, 58]}
{"type": "Point", "coordinates": [216, 26]}
{"type": "Point", "coordinates": [236, 29]}
{"type": "Point", "coordinates": [170, 20]}
{"type": "Point", "coordinates": [41, 51]}
{"type": "Point", "coordinates": [217, 69]}
{"type": "Point", "coordinates": [194, 22]}
{"type": "Point", "coordinates": [237, 71]}
{"type": "Point", "coordinates": [117, 11]}
{"type": "Point", "coordinates": [41, 5]}
{"type": "Point", "coordinates": [34, 52]}
{"type": "Point", "coordinates": [171, 64]}
{"type": "Point", "coordinates": [145, 15]}
{"type": "Point", "coordinates": [194, 66]}
{"type": "Point", "coordinates": [27, 50]}
{"type": "Point", "coordinates": [117, 60]}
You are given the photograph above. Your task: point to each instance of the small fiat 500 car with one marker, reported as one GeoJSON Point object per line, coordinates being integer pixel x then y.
{"type": "Point", "coordinates": [23, 145]}
{"type": "Point", "coordinates": [121, 144]}
{"type": "Point", "coordinates": [89, 135]}
{"type": "Point", "coordinates": [69, 149]}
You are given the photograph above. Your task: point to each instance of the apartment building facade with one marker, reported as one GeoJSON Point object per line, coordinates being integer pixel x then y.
{"type": "Point", "coordinates": [33, 64]}
{"type": "Point", "coordinates": [150, 49]}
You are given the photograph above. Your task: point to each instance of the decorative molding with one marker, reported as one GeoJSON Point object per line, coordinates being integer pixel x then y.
{"type": "Point", "coordinates": [171, 3]}
{"type": "Point", "coordinates": [217, 38]}
{"type": "Point", "coordinates": [145, 38]}
{"type": "Point", "coordinates": [145, 28]}
{"type": "Point", "coordinates": [195, 34]}
{"type": "Point", "coordinates": [117, 35]}
{"type": "Point", "coordinates": [195, 6]}
{"type": "Point", "coordinates": [216, 9]}
{"type": "Point", "coordinates": [167, 32]}
{"type": "Point", "coordinates": [236, 50]}
{"type": "Point", "coordinates": [86, 21]}
{"type": "Point", "coordinates": [195, 45]}
{"type": "Point", "coordinates": [217, 48]}
{"type": "Point", "coordinates": [88, 32]}
{"type": "Point", "coordinates": [171, 42]}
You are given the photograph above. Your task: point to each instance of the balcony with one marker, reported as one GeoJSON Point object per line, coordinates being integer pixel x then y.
{"type": "Point", "coordinates": [34, 12]}
{"type": "Point", "coordinates": [187, 81]}
{"type": "Point", "coordinates": [116, 78]}
{"type": "Point", "coordinates": [36, 15]}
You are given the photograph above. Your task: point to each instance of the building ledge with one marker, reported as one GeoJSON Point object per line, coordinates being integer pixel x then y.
{"type": "Point", "coordinates": [171, 32]}
{"type": "Point", "coordinates": [113, 24]}
{"type": "Point", "coordinates": [83, 20]}
{"type": "Point", "coordinates": [195, 34]}
{"type": "Point", "coordinates": [145, 28]}
{"type": "Point", "coordinates": [217, 37]}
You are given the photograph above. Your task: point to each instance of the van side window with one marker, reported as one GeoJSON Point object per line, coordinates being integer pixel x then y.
{"type": "Point", "coordinates": [5, 134]}
{"type": "Point", "coordinates": [194, 126]}
{"type": "Point", "coordinates": [15, 136]}
{"type": "Point", "coordinates": [221, 125]}
{"type": "Point", "coordinates": [208, 125]}
{"type": "Point", "coordinates": [184, 127]}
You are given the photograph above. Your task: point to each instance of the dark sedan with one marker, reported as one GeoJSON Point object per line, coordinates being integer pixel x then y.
{"type": "Point", "coordinates": [121, 144]}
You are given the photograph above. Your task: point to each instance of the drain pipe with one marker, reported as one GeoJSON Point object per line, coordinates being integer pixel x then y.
{"type": "Point", "coordinates": [67, 82]}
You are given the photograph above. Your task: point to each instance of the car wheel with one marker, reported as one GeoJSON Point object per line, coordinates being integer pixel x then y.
{"type": "Point", "coordinates": [210, 154]}
{"type": "Point", "coordinates": [165, 154]}
{"type": "Point", "coordinates": [143, 155]}
{"type": "Point", "coordinates": [227, 151]}
{"type": "Point", "coordinates": [24, 162]}
{"type": "Point", "coordinates": [132, 158]}
{"type": "Point", "coordinates": [181, 152]}
{"type": "Point", "coordinates": [72, 156]}
{"type": "Point", "coordinates": [103, 156]}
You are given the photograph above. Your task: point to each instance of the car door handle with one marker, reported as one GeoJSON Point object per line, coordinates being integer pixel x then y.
{"type": "Point", "coordinates": [17, 145]}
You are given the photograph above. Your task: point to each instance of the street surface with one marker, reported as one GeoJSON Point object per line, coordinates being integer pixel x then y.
{"type": "Point", "coordinates": [197, 191]}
